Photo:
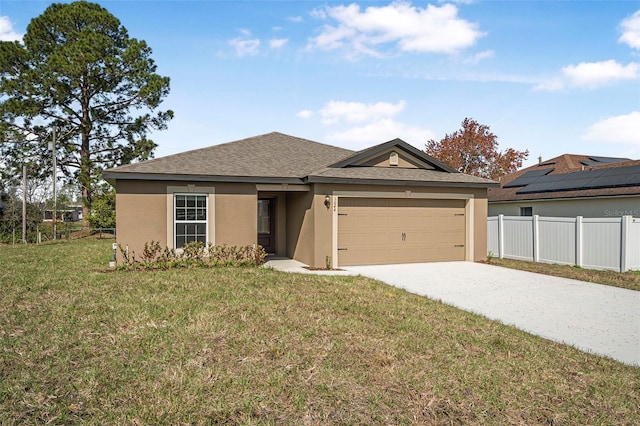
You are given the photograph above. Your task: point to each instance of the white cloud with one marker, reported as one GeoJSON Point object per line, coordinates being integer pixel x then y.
{"type": "Point", "coordinates": [382, 130]}
{"type": "Point", "coordinates": [620, 129]}
{"type": "Point", "coordinates": [365, 124]}
{"type": "Point", "coordinates": [6, 30]}
{"type": "Point", "coordinates": [592, 75]}
{"type": "Point", "coordinates": [277, 43]}
{"type": "Point", "coordinates": [631, 31]}
{"type": "Point", "coordinates": [295, 19]}
{"type": "Point", "coordinates": [412, 29]}
{"type": "Point", "coordinates": [305, 113]}
{"type": "Point", "coordinates": [245, 47]}
{"type": "Point", "coordinates": [457, 1]}
{"type": "Point", "coordinates": [480, 56]}
{"type": "Point", "coordinates": [357, 112]}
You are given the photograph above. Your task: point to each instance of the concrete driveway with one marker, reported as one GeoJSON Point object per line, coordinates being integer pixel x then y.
{"type": "Point", "coordinates": [592, 317]}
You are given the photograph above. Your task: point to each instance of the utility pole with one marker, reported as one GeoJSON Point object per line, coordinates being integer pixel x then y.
{"type": "Point", "coordinates": [55, 198]}
{"type": "Point", "coordinates": [24, 203]}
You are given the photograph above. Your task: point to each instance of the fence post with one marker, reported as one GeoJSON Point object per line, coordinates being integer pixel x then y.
{"type": "Point", "coordinates": [536, 238]}
{"type": "Point", "coordinates": [501, 236]}
{"type": "Point", "coordinates": [625, 242]}
{"type": "Point", "coordinates": [578, 241]}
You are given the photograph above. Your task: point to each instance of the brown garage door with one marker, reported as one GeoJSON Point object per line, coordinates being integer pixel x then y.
{"type": "Point", "coordinates": [378, 231]}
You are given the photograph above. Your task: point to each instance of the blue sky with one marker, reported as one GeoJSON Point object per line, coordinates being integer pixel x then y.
{"type": "Point", "coordinates": [552, 77]}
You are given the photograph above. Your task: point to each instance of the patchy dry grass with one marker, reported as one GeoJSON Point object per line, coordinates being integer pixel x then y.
{"type": "Point", "coordinates": [629, 280]}
{"type": "Point", "coordinates": [255, 346]}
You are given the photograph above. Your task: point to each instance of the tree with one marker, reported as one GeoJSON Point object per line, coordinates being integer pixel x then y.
{"type": "Point", "coordinates": [474, 150]}
{"type": "Point", "coordinates": [11, 217]}
{"type": "Point", "coordinates": [79, 72]}
{"type": "Point", "coordinates": [103, 214]}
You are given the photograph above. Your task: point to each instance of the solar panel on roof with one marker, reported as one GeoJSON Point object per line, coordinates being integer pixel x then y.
{"type": "Point", "coordinates": [528, 178]}
{"type": "Point", "coordinates": [634, 179]}
{"type": "Point", "coordinates": [539, 172]}
{"type": "Point", "coordinates": [539, 187]}
{"type": "Point", "coordinates": [575, 184]}
{"type": "Point", "coordinates": [600, 178]}
{"type": "Point", "coordinates": [611, 181]}
{"type": "Point", "coordinates": [609, 159]}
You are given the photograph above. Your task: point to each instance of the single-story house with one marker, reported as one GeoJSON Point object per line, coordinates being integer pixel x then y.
{"type": "Point", "coordinates": [569, 186]}
{"type": "Point", "coordinates": [316, 203]}
{"type": "Point", "coordinates": [68, 214]}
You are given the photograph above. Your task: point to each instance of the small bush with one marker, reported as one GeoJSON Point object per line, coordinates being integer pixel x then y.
{"type": "Point", "coordinates": [193, 254]}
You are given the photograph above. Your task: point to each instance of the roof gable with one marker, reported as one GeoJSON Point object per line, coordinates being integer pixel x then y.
{"type": "Point", "coordinates": [412, 157]}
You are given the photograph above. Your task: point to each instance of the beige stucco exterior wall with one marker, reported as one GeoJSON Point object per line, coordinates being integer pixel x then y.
{"type": "Point", "coordinates": [480, 209]}
{"type": "Point", "coordinates": [300, 227]}
{"type": "Point", "coordinates": [305, 226]}
{"type": "Point", "coordinates": [591, 207]}
{"type": "Point", "coordinates": [144, 212]}
{"type": "Point", "coordinates": [236, 214]}
{"type": "Point", "coordinates": [141, 214]}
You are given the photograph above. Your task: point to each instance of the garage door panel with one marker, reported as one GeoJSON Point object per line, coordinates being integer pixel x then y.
{"type": "Point", "coordinates": [379, 231]}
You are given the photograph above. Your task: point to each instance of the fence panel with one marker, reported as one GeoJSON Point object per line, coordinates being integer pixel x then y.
{"type": "Point", "coordinates": [518, 237]}
{"type": "Point", "coordinates": [557, 240]}
{"type": "Point", "coordinates": [493, 234]}
{"type": "Point", "coordinates": [634, 245]}
{"type": "Point", "coordinates": [593, 243]}
{"type": "Point", "coordinates": [601, 243]}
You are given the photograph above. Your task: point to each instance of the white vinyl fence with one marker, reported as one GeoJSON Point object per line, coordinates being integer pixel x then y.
{"type": "Point", "coordinates": [592, 243]}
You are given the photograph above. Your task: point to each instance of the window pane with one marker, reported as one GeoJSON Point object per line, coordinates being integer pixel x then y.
{"type": "Point", "coordinates": [190, 219]}
{"type": "Point", "coordinates": [264, 221]}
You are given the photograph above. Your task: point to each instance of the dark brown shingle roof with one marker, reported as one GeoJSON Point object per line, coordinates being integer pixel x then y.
{"type": "Point", "coordinates": [398, 175]}
{"type": "Point", "coordinates": [276, 157]}
{"type": "Point", "coordinates": [270, 155]}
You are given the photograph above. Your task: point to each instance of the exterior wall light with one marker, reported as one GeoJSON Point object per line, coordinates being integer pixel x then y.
{"type": "Point", "coordinates": [327, 201]}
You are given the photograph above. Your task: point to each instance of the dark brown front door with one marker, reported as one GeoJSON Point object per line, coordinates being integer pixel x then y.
{"type": "Point", "coordinates": [266, 224]}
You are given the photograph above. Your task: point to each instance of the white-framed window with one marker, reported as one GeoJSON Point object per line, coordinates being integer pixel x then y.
{"type": "Point", "coordinates": [526, 211]}
{"type": "Point", "coordinates": [189, 218]}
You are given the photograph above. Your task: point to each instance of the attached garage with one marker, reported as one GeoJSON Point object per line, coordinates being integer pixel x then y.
{"type": "Point", "coordinates": [377, 231]}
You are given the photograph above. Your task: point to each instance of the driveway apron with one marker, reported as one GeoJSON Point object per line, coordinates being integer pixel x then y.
{"type": "Point", "coordinates": [594, 318]}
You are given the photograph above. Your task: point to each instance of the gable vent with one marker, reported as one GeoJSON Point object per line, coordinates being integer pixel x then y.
{"type": "Point", "coordinates": [393, 159]}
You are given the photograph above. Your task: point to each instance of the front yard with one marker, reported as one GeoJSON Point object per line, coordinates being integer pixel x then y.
{"type": "Point", "coordinates": [255, 346]}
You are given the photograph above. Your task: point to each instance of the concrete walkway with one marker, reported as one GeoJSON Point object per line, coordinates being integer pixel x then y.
{"type": "Point", "coordinates": [592, 317]}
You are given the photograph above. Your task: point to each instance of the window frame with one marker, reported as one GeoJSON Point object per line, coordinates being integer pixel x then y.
{"type": "Point", "coordinates": [526, 209]}
{"type": "Point", "coordinates": [176, 221]}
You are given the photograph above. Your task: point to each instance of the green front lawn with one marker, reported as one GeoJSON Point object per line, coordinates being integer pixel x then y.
{"type": "Point", "coordinates": [255, 346]}
{"type": "Point", "coordinates": [629, 280]}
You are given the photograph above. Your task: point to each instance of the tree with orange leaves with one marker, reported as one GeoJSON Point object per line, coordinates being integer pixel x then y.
{"type": "Point", "coordinates": [473, 150]}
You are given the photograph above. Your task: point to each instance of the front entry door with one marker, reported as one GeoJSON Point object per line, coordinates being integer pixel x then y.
{"type": "Point", "coordinates": [266, 224]}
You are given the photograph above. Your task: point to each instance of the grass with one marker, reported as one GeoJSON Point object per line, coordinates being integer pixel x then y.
{"type": "Point", "coordinates": [255, 346]}
{"type": "Point", "coordinates": [629, 280]}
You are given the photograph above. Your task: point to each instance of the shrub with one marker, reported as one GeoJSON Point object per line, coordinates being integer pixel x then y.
{"type": "Point", "coordinates": [194, 253]}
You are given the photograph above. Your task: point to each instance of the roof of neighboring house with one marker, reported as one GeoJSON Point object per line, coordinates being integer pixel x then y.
{"type": "Point", "coordinates": [570, 176]}
{"type": "Point", "coordinates": [280, 158]}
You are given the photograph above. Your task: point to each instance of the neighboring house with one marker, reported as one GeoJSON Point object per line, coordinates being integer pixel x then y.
{"type": "Point", "coordinates": [316, 203]}
{"type": "Point", "coordinates": [569, 186]}
{"type": "Point", "coordinates": [69, 214]}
